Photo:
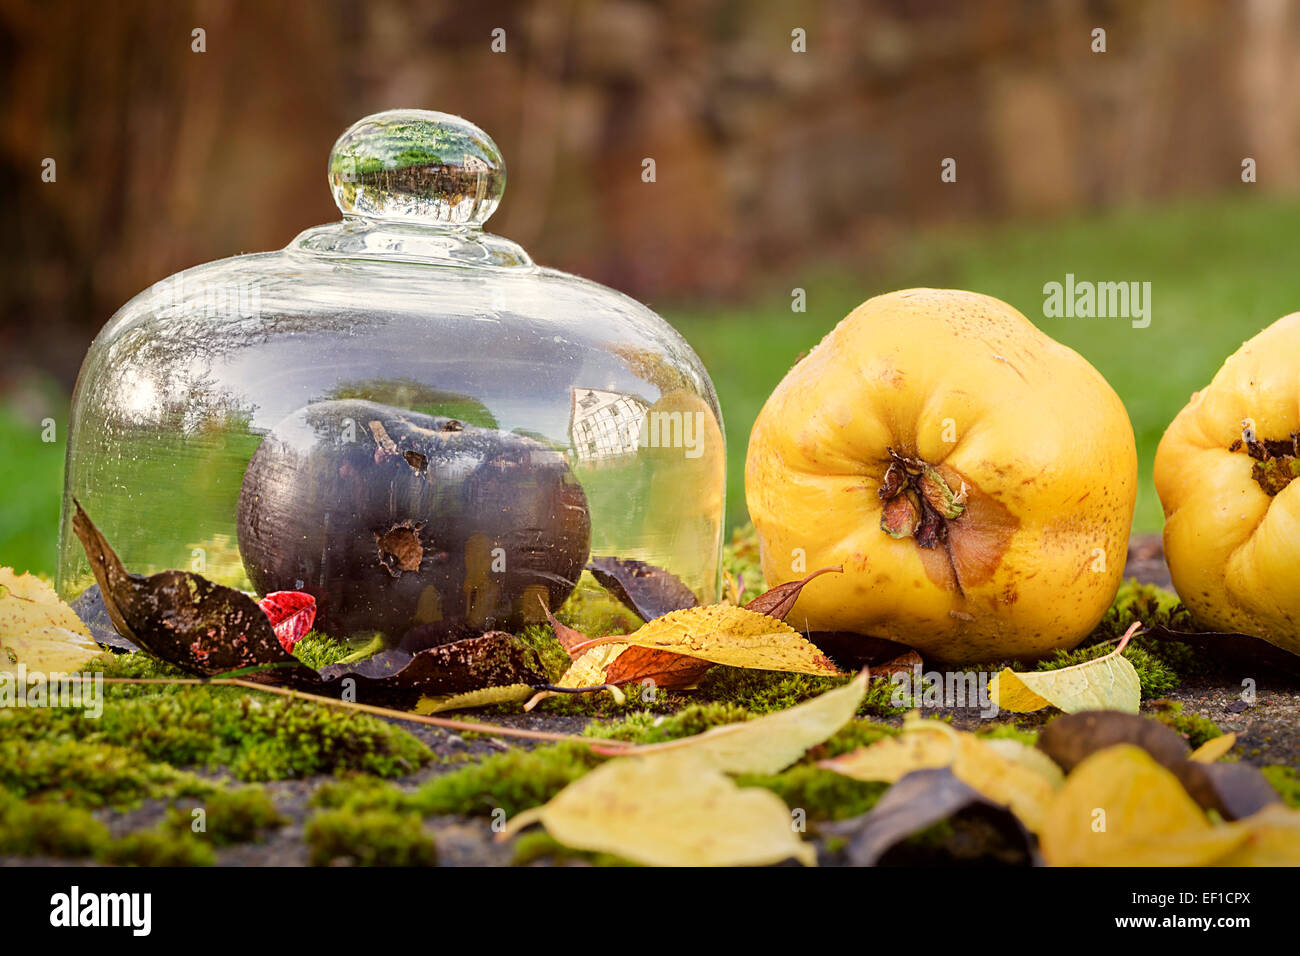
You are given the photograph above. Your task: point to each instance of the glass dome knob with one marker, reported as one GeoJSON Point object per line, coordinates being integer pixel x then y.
{"type": "Point", "coordinates": [417, 166]}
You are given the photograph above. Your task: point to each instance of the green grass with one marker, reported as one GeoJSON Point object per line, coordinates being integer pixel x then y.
{"type": "Point", "coordinates": [1220, 269]}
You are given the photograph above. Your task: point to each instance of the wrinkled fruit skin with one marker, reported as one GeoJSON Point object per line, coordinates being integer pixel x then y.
{"type": "Point", "coordinates": [1034, 450]}
{"type": "Point", "coordinates": [392, 519]}
{"type": "Point", "coordinates": [1233, 549]}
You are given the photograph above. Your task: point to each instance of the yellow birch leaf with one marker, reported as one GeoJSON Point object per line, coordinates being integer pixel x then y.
{"type": "Point", "coordinates": [769, 744]}
{"type": "Point", "coordinates": [39, 630]}
{"type": "Point", "coordinates": [1027, 756]}
{"type": "Point", "coordinates": [733, 636]}
{"type": "Point", "coordinates": [1107, 683]}
{"type": "Point", "coordinates": [1213, 749]}
{"type": "Point", "coordinates": [670, 810]}
{"type": "Point", "coordinates": [589, 669]}
{"type": "Point", "coordinates": [1120, 808]}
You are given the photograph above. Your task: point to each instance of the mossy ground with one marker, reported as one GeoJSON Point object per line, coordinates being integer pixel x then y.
{"type": "Point", "coordinates": [194, 775]}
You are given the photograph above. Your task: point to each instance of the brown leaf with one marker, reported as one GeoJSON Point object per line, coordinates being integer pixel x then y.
{"type": "Point", "coordinates": [1241, 655]}
{"type": "Point", "coordinates": [569, 637]}
{"type": "Point", "coordinates": [1073, 737]}
{"type": "Point", "coordinates": [1235, 790]}
{"type": "Point", "coordinates": [180, 617]}
{"type": "Point", "coordinates": [779, 600]}
{"type": "Point", "coordinates": [649, 591]}
{"type": "Point", "coordinates": [903, 664]}
{"type": "Point", "coordinates": [667, 670]}
{"type": "Point", "coordinates": [918, 800]}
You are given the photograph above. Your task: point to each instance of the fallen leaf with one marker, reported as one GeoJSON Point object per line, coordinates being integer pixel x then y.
{"type": "Point", "coordinates": [919, 800]}
{"type": "Point", "coordinates": [1213, 749]}
{"type": "Point", "coordinates": [37, 629]}
{"type": "Point", "coordinates": [180, 617]}
{"type": "Point", "coordinates": [1240, 655]}
{"type": "Point", "coordinates": [1119, 807]}
{"type": "Point", "coordinates": [1273, 840]}
{"type": "Point", "coordinates": [1233, 790]}
{"type": "Point", "coordinates": [903, 664]}
{"type": "Point", "coordinates": [1003, 771]}
{"type": "Point", "coordinates": [669, 810]}
{"type": "Point", "coordinates": [569, 637]}
{"type": "Point", "coordinates": [291, 614]}
{"type": "Point", "coordinates": [90, 607]}
{"type": "Point", "coordinates": [769, 744]}
{"type": "Point", "coordinates": [1106, 683]}
{"type": "Point", "coordinates": [649, 591]}
{"type": "Point", "coordinates": [730, 635]}
{"type": "Point", "coordinates": [1071, 738]}
{"type": "Point", "coordinates": [208, 629]}
{"type": "Point", "coordinates": [780, 600]}
{"type": "Point", "coordinates": [664, 669]}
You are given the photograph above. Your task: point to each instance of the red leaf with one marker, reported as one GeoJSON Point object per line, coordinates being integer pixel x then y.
{"type": "Point", "coordinates": [292, 614]}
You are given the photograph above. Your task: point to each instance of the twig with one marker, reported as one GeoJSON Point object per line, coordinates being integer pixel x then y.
{"type": "Point", "coordinates": [444, 722]}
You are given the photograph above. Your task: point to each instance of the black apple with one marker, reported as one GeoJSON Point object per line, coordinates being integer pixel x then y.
{"type": "Point", "coordinates": [423, 528]}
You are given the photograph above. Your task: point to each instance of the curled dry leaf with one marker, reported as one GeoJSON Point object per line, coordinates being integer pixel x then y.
{"type": "Point", "coordinates": [37, 629]}
{"type": "Point", "coordinates": [920, 799]}
{"type": "Point", "coordinates": [180, 617]}
{"type": "Point", "coordinates": [649, 591]}
{"type": "Point", "coordinates": [780, 600]}
{"type": "Point", "coordinates": [669, 810]}
{"type": "Point", "coordinates": [1107, 683]}
{"type": "Point", "coordinates": [768, 744]}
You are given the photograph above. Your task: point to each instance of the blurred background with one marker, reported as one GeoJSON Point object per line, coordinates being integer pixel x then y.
{"type": "Point", "coordinates": [776, 170]}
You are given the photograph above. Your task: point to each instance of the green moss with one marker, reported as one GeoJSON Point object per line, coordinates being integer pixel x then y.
{"type": "Point", "coordinates": [53, 829]}
{"type": "Point", "coordinates": [370, 838]}
{"type": "Point", "coordinates": [1196, 729]}
{"type": "Point", "coordinates": [645, 727]}
{"type": "Point", "coordinates": [821, 794]}
{"type": "Point", "coordinates": [554, 658]}
{"type": "Point", "coordinates": [229, 816]}
{"type": "Point", "coordinates": [257, 736]}
{"type": "Point", "coordinates": [854, 734]}
{"type": "Point", "coordinates": [158, 848]}
{"type": "Point", "coordinates": [84, 774]}
{"type": "Point", "coordinates": [511, 781]}
{"type": "Point", "coordinates": [318, 650]}
{"type": "Point", "coordinates": [536, 845]}
{"type": "Point", "coordinates": [360, 793]}
{"type": "Point", "coordinates": [1286, 781]}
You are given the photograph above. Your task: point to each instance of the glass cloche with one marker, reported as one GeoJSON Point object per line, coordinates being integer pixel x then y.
{"type": "Point", "coordinates": [399, 413]}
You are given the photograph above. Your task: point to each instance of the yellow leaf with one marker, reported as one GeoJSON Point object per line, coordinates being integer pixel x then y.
{"type": "Point", "coordinates": [892, 758]}
{"type": "Point", "coordinates": [1107, 683]}
{"type": "Point", "coordinates": [733, 636]}
{"type": "Point", "coordinates": [506, 694]}
{"type": "Point", "coordinates": [1213, 749]}
{"type": "Point", "coordinates": [39, 630]}
{"type": "Point", "coordinates": [1120, 808]}
{"type": "Point", "coordinates": [1273, 840]}
{"type": "Point", "coordinates": [769, 744]}
{"type": "Point", "coordinates": [670, 810]}
{"type": "Point", "coordinates": [1001, 770]}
